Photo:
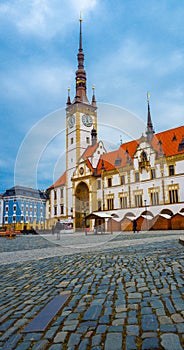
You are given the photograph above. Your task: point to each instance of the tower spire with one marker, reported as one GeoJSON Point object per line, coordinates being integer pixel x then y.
{"type": "Point", "coordinates": [150, 131]}
{"type": "Point", "coordinates": [80, 73]}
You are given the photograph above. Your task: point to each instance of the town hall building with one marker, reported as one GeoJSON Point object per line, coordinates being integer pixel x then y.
{"type": "Point", "coordinates": [142, 178]}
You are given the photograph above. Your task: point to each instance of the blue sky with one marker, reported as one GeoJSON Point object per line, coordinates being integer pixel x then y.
{"type": "Point", "coordinates": [130, 47]}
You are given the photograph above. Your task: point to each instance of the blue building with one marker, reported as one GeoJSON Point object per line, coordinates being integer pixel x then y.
{"type": "Point", "coordinates": [24, 207]}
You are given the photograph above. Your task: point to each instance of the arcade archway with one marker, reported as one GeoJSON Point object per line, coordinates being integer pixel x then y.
{"type": "Point", "coordinates": [81, 204]}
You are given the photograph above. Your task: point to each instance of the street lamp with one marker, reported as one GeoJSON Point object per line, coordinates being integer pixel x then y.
{"type": "Point", "coordinates": [102, 176]}
{"type": "Point", "coordinates": [146, 214]}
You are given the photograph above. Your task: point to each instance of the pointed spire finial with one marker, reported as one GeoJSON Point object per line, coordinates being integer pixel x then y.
{"type": "Point", "coordinates": [149, 130]}
{"type": "Point", "coordinates": [80, 38]}
{"type": "Point", "coordinates": [68, 99]}
{"type": "Point", "coordinates": [80, 73]}
{"type": "Point", "coordinates": [93, 96]}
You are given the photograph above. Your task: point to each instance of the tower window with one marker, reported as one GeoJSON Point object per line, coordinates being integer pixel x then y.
{"type": "Point", "coordinates": [71, 141]}
{"type": "Point", "coordinates": [87, 140]}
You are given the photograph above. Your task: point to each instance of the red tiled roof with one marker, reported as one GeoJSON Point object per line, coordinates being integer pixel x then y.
{"type": "Point", "coordinates": [170, 140]}
{"type": "Point", "coordinates": [59, 182]}
{"type": "Point", "coordinates": [89, 151]}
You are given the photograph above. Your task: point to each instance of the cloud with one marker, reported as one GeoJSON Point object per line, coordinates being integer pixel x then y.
{"type": "Point", "coordinates": [44, 18]}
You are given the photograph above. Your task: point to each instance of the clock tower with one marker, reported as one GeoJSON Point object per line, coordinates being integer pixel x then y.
{"type": "Point", "coordinates": [81, 119]}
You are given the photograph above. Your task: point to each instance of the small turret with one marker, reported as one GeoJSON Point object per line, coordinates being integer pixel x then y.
{"type": "Point", "coordinates": [93, 136]}
{"type": "Point", "coordinates": [150, 131]}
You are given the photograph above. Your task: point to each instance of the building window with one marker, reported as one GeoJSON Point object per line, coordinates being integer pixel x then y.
{"type": "Point", "coordinates": [138, 200]}
{"type": "Point", "coordinates": [99, 205]}
{"type": "Point", "coordinates": [154, 198]}
{"type": "Point", "coordinates": [153, 174]}
{"type": "Point", "coordinates": [14, 218]}
{"type": "Point", "coordinates": [55, 210]}
{"type": "Point", "coordinates": [87, 140]}
{"type": "Point", "coordinates": [14, 207]}
{"type": "Point", "coordinates": [123, 202]}
{"type": "Point", "coordinates": [99, 184]}
{"type": "Point", "coordinates": [6, 208]}
{"type": "Point", "coordinates": [110, 203]}
{"type": "Point", "coordinates": [61, 192]}
{"type": "Point", "coordinates": [122, 179]}
{"type": "Point", "coordinates": [22, 218]}
{"type": "Point", "coordinates": [61, 209]}
{"type": "Point", "coordinates": [109, 182]}
{"type": "Point", "coordinates": [171, 170]}
{"type": "Point", "coordinates": [55, 194]}
{"type": "Point", "coordinates": [6, 219]}
{"type": "Point", "coordinates": [71, 141]}
{"type": "Point", "coordinates": [22, 207]}
{"type": "Point", "coordinates": [173, 196]}
{"type": "Point", "coordinates": [137, 177]}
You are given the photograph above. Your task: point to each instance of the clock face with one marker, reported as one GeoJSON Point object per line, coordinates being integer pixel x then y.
{"type": "Point", "coordinates": [71, 121]}
{"type": "Point", "coordinates": [87, 120]}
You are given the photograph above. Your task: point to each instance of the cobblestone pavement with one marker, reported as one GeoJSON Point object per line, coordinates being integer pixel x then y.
{"type": "Point", "coordinates": [126, 291]}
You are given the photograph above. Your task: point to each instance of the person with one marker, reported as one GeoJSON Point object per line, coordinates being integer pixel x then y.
{"type": "Point", "coordinates": [134, 225]}
{"type": "Point", "coordinates": [58, 228]}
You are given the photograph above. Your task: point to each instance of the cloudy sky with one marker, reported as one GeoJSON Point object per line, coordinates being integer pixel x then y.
{"type": "Point", "coordinates": [131, 47]}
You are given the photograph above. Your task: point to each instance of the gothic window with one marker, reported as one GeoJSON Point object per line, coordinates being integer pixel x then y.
{"type": "Point", "coordinates": [123, 202]}
{"type": "Point", "coordinates": [55, 210]}
{"type": "Point", "coordinates": [154, 198]}
{"type": "Point", "coordinates": [173, 196]}
{"type": "Point", "coordinates": [110, 203]}
{"type": "Point", "coordinates": [138, 200]}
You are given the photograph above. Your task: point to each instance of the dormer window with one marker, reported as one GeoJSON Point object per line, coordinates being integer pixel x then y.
{"type": "Point", "coordinates": [117, 162]}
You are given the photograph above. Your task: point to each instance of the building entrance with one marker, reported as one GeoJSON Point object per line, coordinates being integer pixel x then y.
{"type": "Point", "coordinates": [81, 204]}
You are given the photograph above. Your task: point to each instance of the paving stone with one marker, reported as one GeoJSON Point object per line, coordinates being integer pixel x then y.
{"type": "Point", "coordinates": [149, 335]}
{"type": "Point", "coordinates": [113, 341]}
{"type": "Point", "coordinates": [23, 346]}
{"type": "Point", "coordinates": [166, 328]}
{"type": "Point", "coordinates": [93, 313]}
{"type": "Point", "coordinates": [165, 320]}
{"type": "Point", "coordinates": [41, 345]}
{"type": "Point", "coordinates": [74, 339]}
{"type": "Point", "coordinates": [60, 337]}
{"type": "Point", "coordinates": [131, 343]}
{"type": "Point", "coordinates": [150, 344]}
{"type": "Point", "coordinates": [84, 344]}
{"type": "Point", "coordinates": [177, 318]}
{"type": "Point", "coordinates": [132, 330]}
{"type": "Point", "coordinates": [171, 341]}
{"type": "Point", "coordinates": [96, 340]}
{"type": "Point", "coordinates": [149, 323]}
